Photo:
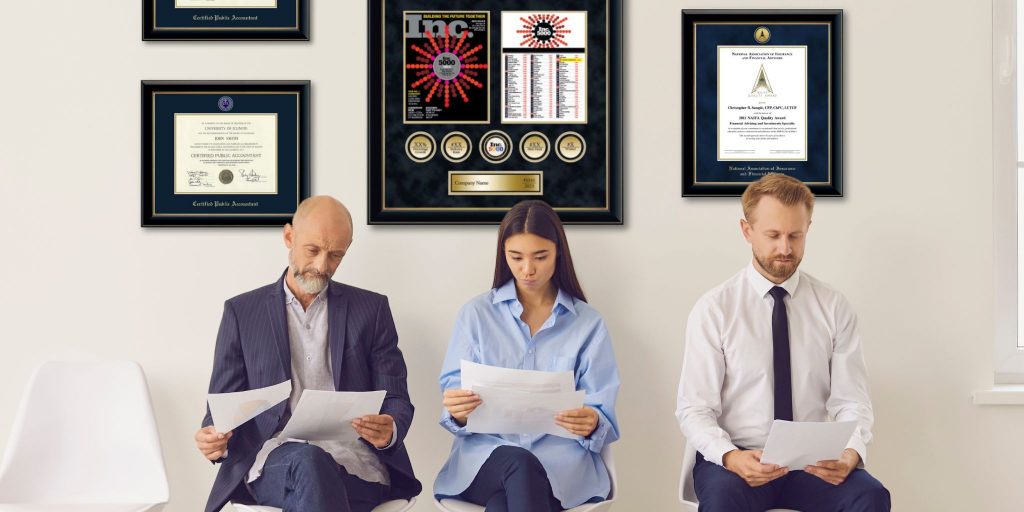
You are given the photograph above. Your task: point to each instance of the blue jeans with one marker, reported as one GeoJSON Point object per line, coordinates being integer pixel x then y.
{"type": "Point", "coordinates": [720, 490]}
{"type": "Point", "coordinates": [511, 480]}
{"type": "Point", "coordinates": [299, 477]}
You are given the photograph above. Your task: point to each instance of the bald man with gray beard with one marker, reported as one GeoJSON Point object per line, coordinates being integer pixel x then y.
{"type": "Point", "coordinates": [321, 335]}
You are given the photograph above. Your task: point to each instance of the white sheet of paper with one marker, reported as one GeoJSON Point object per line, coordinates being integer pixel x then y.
{"type": "Point", "coordinates": [229, 410]}
{"type": "Point", "coordinates": [507, 411]}
{"type": "Point", "coordinates": [798, 444]}
{"type": "Point", "coordinates": [328, 415]}
{"type": "Point", "coordinates": [496, 377]}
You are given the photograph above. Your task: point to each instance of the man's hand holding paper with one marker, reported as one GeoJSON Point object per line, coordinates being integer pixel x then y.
{"type": "Point", "coordinates": [378, 429]}
{"type": "Point", "coordinates": [800, 445]}
{"type": "Point", "coordinates": [331, 415]}
{"type": "Point", "coordinates": [229, 410]}
{"type": "Point", "coordinates": [835, 471]}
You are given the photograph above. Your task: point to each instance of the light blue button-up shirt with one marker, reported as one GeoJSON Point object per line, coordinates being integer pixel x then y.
{"type": "Point", "coordinates": [488, 330]}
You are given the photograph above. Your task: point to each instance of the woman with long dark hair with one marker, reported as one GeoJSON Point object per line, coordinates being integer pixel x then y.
{"type": "Point", "coordinates": [535, 317]}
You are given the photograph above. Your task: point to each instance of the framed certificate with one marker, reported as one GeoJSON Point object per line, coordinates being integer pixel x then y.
{"type": "Point", "coordinates": [254, 20]}
{"type": "Point", "coordinates": [224, 153]}
{"type": "Point", "coordinates": [762, 93]}
{"type": "Point", "coordinates": [477, 105]}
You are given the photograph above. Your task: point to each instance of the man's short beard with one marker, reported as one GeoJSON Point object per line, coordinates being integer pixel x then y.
{"type": "Point", "coordinates": [313, 285]}
{"type": "Point", "coordinates": [775, 270]}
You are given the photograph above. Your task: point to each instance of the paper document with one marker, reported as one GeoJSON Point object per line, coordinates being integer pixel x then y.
{"type": "Point", "coordinates": [328, 415]}
{"type": "Point", "coordinates": [519, 401]}
{"type": "Point", "coordinates": [505, 411]}
{"type": "Point", "coordinates": [229, 410]}
{"type": "Point", "coordinates": [799, 444]}
{"type": "Point", "coordinates": [475, 374]}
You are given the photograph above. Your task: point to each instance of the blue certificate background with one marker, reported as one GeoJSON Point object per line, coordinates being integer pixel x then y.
{"type": "Point", "coordinates": [285, 105]}
{"type": "Point", "coordinates": [708, 38]}
{"type": "Point", "coordinates": [283, 16]}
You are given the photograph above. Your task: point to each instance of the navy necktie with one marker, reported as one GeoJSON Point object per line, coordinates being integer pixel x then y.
{"type": "Point", "coordinates": [780, 356]}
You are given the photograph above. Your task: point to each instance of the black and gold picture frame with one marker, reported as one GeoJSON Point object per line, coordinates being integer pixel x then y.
{"type": "Point", "coordinates": [224, 153]}
{"type": "Point", "coordinates": [762, 93]}
{"type": "Point", "coordinates": [477, 105]}
{"type": "Point", "coordinates": [239, 20]}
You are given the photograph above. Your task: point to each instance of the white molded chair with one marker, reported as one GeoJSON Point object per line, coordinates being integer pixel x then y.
{"type": "Point", "coordinates": [84, 439]}
{"type": "Point", "coordinates": [687, 496]}
{"type": "Point", "coordinates": [387, 506]}
{"type": "Point", "coordinates": [451, 505]}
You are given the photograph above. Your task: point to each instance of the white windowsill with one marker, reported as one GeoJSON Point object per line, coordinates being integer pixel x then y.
{"type": "Point", "coordinates": [1000, 394]}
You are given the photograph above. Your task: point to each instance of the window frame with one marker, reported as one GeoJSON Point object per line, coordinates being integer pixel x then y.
{"type": "Point", "coordinates": [1009, 356]}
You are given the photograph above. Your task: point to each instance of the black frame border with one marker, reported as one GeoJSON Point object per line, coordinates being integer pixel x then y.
{"type": "Point", "coordinates": [151, 33]}
{"type": "Point", "coordinates": [689, 17]}
{"type": "Point", "coordinates": [150, 86]}
{"type": "Point", "coordinates": [376, 214]}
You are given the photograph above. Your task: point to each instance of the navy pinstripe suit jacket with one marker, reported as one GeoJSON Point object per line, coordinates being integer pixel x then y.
{"type": "Point", "coordinates": [253, 352]}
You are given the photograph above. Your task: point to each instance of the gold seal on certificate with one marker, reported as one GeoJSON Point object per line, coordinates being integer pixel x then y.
{"type": "Point", "coordinates": [456, 147]}
{"type": "Point", "coordinates": [420, 147]}
{"type": "Point", "coordinates": [534, 147]}
{"type": "Point", "coordinates": [212, 150]}
{"type": "Point", "coordinates": [762, 35]}
{"type": "Point", "coordinates": [570, 147]}
{"type": "Point", "coordinates": [496, 146]}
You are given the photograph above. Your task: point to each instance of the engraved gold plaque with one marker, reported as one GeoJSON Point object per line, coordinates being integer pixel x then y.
{"type": "Point", "coordinates": [456, 147]}
{"type": "Point", "coordinates": [534, 147]}
{"type": "Point", "coordinates": [482, 183]}
{"type": "Point", "coordinates": [570, 147]}
{"type": "Point", "coordinates": [420, 147]}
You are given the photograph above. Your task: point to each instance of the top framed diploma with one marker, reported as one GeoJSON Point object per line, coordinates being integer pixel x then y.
{"type": "Point", "coordinates": [762, 93]}
{"type": "Point", "coordinates": [476, 105]}
{"type": "Point", "coordinates": [207, 20]}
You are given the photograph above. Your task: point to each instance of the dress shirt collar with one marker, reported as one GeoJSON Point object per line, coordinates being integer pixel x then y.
{"type": "Point", "coordinates": [290, 297]}
{"type": "Point", "coordinates": [762, 285]}
{"type": "Point", "coordinates": [507, 292]}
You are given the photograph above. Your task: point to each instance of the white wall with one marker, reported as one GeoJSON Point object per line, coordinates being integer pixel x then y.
{"type": "Point", "coordinates": [910, 245]}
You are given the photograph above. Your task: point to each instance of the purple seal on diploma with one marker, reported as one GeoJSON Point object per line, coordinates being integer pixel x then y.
{"type": "Point", "coordinates": [225, 103]}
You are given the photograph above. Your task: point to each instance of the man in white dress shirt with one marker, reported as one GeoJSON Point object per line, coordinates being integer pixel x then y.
{"type": "Point", "coordinates": [773, 342]}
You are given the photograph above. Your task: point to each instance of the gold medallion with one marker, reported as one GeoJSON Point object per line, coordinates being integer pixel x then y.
{"type": "Point", "coordinates": [456, 147]}
{"type": "Point", "coordinates": [762, 35]}
{"type": "Point", "coordinates": [534, 147]}
{"type": "Point", "coordinates": [570, 147]}
{"type": "Point", "coordinates": [420, 147]}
